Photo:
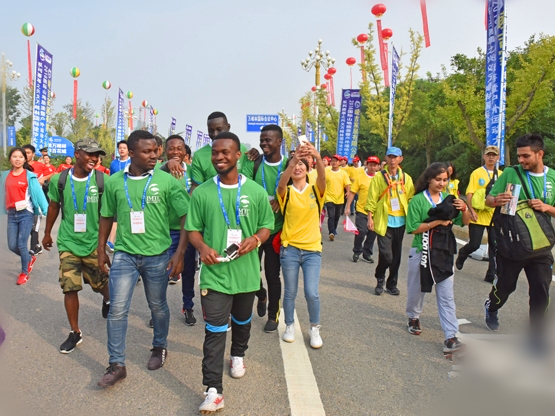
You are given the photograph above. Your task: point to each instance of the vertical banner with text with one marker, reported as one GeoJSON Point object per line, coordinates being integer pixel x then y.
{"type": "Point", "coordinates": [200, 135]}
{"type": "Point", "coordinates": [120, 125]}
{"type": "Point", "coordinates": [151, 120]}
{"type": "Point", "coordinates": [349, 123]}
{"type": "Point", "coordinates": [172, 126]}
{"type": "Point", "coordinates": [392, 90]}
{"type": "Point", "coordinates": [188, 133]}
{"type": "Point", "coordinates": [496, 76]}
{"type": "Point", "coordinates": [42, 98]}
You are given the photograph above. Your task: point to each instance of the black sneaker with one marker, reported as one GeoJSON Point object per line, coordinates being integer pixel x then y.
{"type": "Point", "coordinates": [73, 340]}
{"type": "Point", "coordinates": [270, 326]}
{"type": "Point", "coordinates": [105, 309]}
{"type": "Point", "coordinates": [356, 257]}
{"type": "Point", "coordinates": [489, 278]}
{"type": "Point", "coordinates": [261, 304]}
{"type": "Point", "coordinates": [492, 321]}
{"type": "Point", "coordinates": [150, 324]}
{"type": "Point", "coordinates": [176, 279]}
{"type": "Point", "coordinates": [393, 291]}
{"type": "Point", "coordinates": [37, 250]}
{"type": "Point", "coordinates": [368, 259]}
{"type": "Point", "coordinates": [114, 374]}
{"type": "Point", "coordinates": [379, 287]}
{"type": "Point", "coordinates": [190, 319]}
{"type": "Point", "coordinates": [158, 358]}
{"type": "Point", "coordinates": [413, 326]}
{"type": "Point", "coordinates": [459, 263]}
{"type": "Point", "coordinates": [452, 345]}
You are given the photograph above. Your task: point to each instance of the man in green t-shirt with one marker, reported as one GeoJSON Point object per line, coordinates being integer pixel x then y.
{"type": "Point", "coordinates": [77, 235]}
{"type": "Point", "coordinates": [144, 199]}
{"type": "Point", "coordinates": [266, 171]}
{"type": "Point", "coordinates": [230, 216]}
{"type": "Point", "coordinates": [540, 182]}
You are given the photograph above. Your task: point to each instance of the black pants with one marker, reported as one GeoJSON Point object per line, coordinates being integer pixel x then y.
{"type": "Point", "coordinates": [390, 246]}
{"type": "Point", "coordinates": [364, 241]}
{"type": "Point", "coordinates": [216, 308]}
{"type": "Point", "coordinates": [475, 234]}
{"type": "Point", "coordinates": [539, 274]}
{"type": "Point", "coordinates": [35, 233]}
{"type": "Point", "coordinates": [334, 212]}
{"type": "Point", "coordinates": [271, 270]}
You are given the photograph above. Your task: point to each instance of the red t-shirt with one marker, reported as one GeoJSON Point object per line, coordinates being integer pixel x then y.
{"type": "Point", "coordinates": [16, 189]}
{"type": "Point", "coordinates": [38, 169]}
{"type": "Point", "coordinates": [48, 170]}
{"type": "Point", "coordinates": [103, 169]}
{"type": "Point", "coordinates": [63, 166]}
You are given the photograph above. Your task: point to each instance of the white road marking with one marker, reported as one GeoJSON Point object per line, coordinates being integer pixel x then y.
{"type": "Point", "coordinates": [463, 321]}
{"type": "Point", "coordinates": [302, 389]}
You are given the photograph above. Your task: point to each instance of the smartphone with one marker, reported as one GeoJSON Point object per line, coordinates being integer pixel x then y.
{"type": "Point", "coordinates": [232, 251]}
{"type": "Point", "coordinates": [302, 139]}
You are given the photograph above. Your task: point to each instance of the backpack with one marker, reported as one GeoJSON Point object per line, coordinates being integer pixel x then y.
{"type": "Point", "coordinates": [99, 176]}
{"type": "Point", "coordinates": [257, 163]}
{"type": "Point", "coordinates": [525, 235]}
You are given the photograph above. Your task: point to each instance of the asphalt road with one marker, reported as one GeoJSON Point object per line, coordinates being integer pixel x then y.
{"type": "Point", "coordinates": [369, 363]}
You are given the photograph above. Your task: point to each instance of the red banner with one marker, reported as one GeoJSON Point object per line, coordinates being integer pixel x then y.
{"type": "Point", "coordinates": [380, 41]}
{"type": "Point", "coordinates": [29, 64]}
{"type": "Point", "coordinates": [386, 69]}
{"type": "Point", "coordinates": [425, 22]}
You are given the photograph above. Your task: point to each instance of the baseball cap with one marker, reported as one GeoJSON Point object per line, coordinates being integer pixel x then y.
{"type": "Point", "coordinates": [337, 157]}
{"type": "Point", "coordinates": [373, 159]}
{"type": "Point", "coordinates": [44, 149]}
{"type": "Point", "coordinates": [492, 149]}
{"type": "Point", "coordinates": [394, 151]}
{"type": "Point", "coordinates": [89, 146]}
{"type": "Point", "coordinates": [356, 159]}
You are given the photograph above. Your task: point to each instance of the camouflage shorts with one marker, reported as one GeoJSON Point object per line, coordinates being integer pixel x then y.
{"type": "Point", "coordinates": [73, 267]}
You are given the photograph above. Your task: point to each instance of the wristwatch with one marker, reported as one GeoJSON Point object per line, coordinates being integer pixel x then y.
{"type": "Point", "coordinates": [259, 241]}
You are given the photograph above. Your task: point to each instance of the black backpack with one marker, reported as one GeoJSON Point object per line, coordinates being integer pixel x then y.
{"type": "Point", "coordinates": [99, 176]}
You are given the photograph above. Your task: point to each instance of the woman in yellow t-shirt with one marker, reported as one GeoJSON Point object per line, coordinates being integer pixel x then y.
{"type": "Point", "coordinates": [452, 182]}
{"type": "Point", "coordinates": [301, 240]}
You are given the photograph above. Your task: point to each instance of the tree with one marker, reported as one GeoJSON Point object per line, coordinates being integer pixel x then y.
{"type": "Point", "coordinates": [81, 126]}
{"type": "Point", "coordinates": [12, 105]}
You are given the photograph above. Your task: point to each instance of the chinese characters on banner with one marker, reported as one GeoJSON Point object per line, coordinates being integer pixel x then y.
{"type": "Point", "coordinates": [393, 89]}
{"type": "Point", "coordinates": [42, 98]}
{"type": "Point", "coordinates": [349, 123]}
{"type": "Point", "coordinates": [188, 133]}
{"type": "Point", "coordinates": [172, 127]}
{"type": "Point", "coordinates": [200, 135]}
{"type": "Point", "coordinates": [309, 132]}
{"type": "Point", "coordinates": [496, 76]}
{"type": "Point", "coordinates": [206, 139]}
{"type": "Point", "coordinates": [120, 124]}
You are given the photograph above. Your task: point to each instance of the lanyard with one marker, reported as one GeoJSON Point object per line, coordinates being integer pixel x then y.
{"type": "Point", "coordinates": [390, 184]}
{"type": "Point", "coordinates": [278, 175]}
{"type": "Point", "coordinates": [544, 184]}
{"type": "Point", "coordinates": [73, 192]}
{"type": "Point", "coordinates": [127, 192]}
{"type": "Point", "coordinates": [186, 179]}
{"type": "Point", "coordinates": [238, 222]}
{"type": "Point", "coordinates": [487, 171]}
{"type": "Point", "coordinates": [429, 198]}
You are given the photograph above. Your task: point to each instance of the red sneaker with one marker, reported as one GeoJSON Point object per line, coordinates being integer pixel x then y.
{"type": "Point", "coordinates": [31, 264]}
{"type": "Point", "coordinates": [22, 279]}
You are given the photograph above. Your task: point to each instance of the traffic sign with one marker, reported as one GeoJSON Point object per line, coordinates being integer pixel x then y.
{"type": "Point", "coordinates": [255, 122]}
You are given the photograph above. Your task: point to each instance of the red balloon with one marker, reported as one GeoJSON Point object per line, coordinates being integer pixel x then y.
{"type": "Point", "coordinates": [378, 10]}
{"type": "Point", "coordinates": [351, 61]}
{"type": "Point", "coordinates": [362, 38]}
{"type": "Point", "coordinates": [332, 71]}
{"type": "Point", "coordinates": [387, 33]}
{"type": "Point", "coordinates": [323, 86]}
{"type": "Point", "coordinates": [313, 89]}
{"type": "Point", "coordinates": [327, 77]}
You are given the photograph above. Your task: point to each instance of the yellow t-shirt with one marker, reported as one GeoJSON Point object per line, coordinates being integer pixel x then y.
{"type": "Point", "coordinates": [479, 179]}
{"type": "Point", "coordinates": [312, 176]}
{"type": "Point", "coordinates": [453, 187]}
{"type": "Point", "coordinates": [360, 186]}
{"type": "Point", "coordinates": [354, 172]}
{"type": "Point", "coordinates": [301, 225]}
{"type": "Point", "coordinates": [336, 181]}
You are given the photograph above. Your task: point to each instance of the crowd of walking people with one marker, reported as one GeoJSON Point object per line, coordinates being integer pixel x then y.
{"type": "Point", "coordinates": [161, 211]}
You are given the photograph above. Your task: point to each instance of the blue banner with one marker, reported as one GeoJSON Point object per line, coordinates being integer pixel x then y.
{"type": "Point", "coordinates": [325, 137]}
{"type": "Point", "coordinates": [60, 146]}
{"type": "Point", "coordinates": [207, 139]}
{"type": "Point", "coordinates": [172, 126]}
{"type": "Point", "coordinates": [120, 123]}
{"type": "Point", "coordinates": [11, 135]}
{"type": "Point", "coordinates": [188, 133]}
{"type": "Point", "coordinates": [200, 135]}
{"type": "Point", "coordinates": [309, 132]}
{"type": "Point", "coordinates": [42, 98]}
{"type": "Point", "coordinates": [255, 122]}
{"type": "Point", "coordinates": [496, 76]}
{"type": "Point", "coordinates": [283, 147]}
{"type": "Point", "coordinates": [349, 123]}
{"type": "Point", "coordinates": [392, 90]}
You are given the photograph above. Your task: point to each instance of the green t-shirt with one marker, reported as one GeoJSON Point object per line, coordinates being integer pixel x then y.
{"type": "Point", "coordinates": [510, 176]}
{"type": "Point", "coordinates": [202, 168]}
{"type": "Point", "coordinates": [270, 173]}
{"type": "Point", "coordinates": [418, 212]}
{"type": "Point", "coordinates": [165, 196]}
{"type": "Point", "coordinates": [241, 275]}
{"type": "Point", "coordinates": [79, 244]}
{"type": "Point", "coordinates": [185, 181]}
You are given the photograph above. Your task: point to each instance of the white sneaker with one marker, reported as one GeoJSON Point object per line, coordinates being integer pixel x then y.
{"type": "Point", "coordinates": [212, 403]}
{"type": "Point", "coordinates": [315, 338]}
{"type": "Point", "coordinates": [236, 367]}
{"type": "Point", "coordinates": [289, 335]}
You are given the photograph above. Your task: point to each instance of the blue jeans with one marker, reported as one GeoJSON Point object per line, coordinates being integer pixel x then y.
{"type": "Point", "coordinates": [189, 269]}
{"type": "Point", "coordinates": [124, 275]}
{"type": "Point", "coordinates": [292, 260]}
{"type": "Point", "coordinates": [20, 224]}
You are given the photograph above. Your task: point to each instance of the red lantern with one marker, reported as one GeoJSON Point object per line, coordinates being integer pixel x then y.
{"type": "Point", "coordinates": [378, 10]}
{"type": "Point", "coordinates": [327, 77]}
{"type": "Point", "coordinates": [387, 33]}
{"type": "Point", "coordinates": [313, 89]}
{"type": "Point", "coordinates": [324, 86]}
{"type": "Point", "coordinates": [332, 71]}
{"type": "Point", "coordinates": [351, 61]}
{"type": "Point", "coordinates": [362, 38]}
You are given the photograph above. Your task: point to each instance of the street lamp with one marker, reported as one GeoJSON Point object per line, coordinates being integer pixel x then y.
{"type": "Point", "coordinates": [317, 59]}
{"type": "Point", "coordinates": [5, 66]}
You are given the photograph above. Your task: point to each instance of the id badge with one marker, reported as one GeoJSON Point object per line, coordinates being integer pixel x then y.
{"type": "Point", "coordinates": [21, 205]}
{"type": "Point", "coordinates": [395, 204]}
{"type": "Point", "coordinates": [137, 222]}
{"type": "Point", "coordinates": [234, 237]}
{"type": "Point", "coordinates": [80, 223]}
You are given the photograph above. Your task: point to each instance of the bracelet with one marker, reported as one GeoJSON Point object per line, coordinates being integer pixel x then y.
{"type": "Point", "coordinates": [258, 239]}
{"type": "Point", "coordinates": [464, 210]}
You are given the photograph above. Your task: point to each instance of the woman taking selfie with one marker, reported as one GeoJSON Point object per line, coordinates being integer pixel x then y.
{"type": "Point", "coordinates": [301, 240]}
{"type": "Point", "coordinates": [23, 198]}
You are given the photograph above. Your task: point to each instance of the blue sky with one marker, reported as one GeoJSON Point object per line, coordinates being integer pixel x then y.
{"type": "Point", "coordinates": [190, 58]}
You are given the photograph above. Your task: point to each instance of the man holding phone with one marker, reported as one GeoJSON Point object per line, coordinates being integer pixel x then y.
{"type": "Point", "coordinates": [227, 235]}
